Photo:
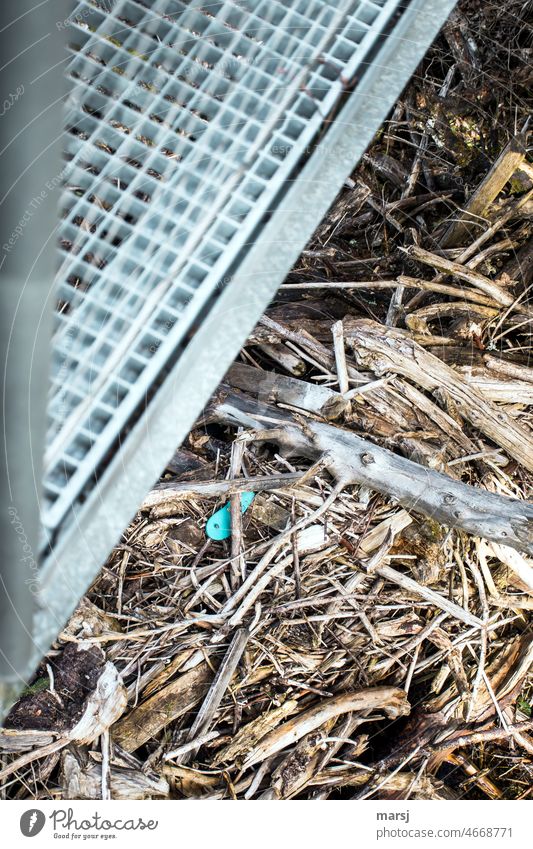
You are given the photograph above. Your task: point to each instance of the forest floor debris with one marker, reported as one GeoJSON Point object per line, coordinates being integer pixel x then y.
{"type": "Point", "coordinates": [365, 632]}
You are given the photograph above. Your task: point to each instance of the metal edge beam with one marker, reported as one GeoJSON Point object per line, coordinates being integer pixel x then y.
{"type": "Point", "coordinates": [31, 39]}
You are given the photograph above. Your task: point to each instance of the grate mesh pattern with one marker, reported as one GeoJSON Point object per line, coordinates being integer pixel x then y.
{"type": "Point", "coordinates": [184, 122]}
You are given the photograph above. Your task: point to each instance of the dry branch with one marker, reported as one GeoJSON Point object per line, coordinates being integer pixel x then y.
{"type": "Point", "coordinates": [177, 698]}
{"type": "Point", "coordinates": [479, 281]}
{"type": "Point", "coordinates": [391, 700]}
{"type": "Point", "coordinates": [507, 369]}
{"type": "Point", "coordinates": [353, 460]}
{"type": "Point", "coordinates": [502, 171]}
{"type": "Point", "coordinates": [220, 684]}
{"type": "Point", "coordinates": [166, 497]}
{"type": "Point", "coordinates": [403, 280]}
{"type": "Point", "coordinates": [386, 351]}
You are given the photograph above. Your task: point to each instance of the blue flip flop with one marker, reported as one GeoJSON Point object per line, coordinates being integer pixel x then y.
{"type": "Point", "coordinates": [219, 525]}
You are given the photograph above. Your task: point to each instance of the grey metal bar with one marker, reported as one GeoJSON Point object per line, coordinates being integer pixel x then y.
{"type": "Point", "coordinates": [31, 87]}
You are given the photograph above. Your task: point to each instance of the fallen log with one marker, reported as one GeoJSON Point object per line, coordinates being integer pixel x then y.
{"type": "Point", "coordinates": [298, 393]}
{"type": "Point", "coordinates": [354, 460]}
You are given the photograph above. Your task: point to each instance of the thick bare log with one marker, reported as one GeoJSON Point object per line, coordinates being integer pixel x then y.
{"type": "Point", "coordinates": [298, 393]}
{"type": "Point", "coordinates": [353, 460]}
{"type": "Point", "coordinates": [493, 388]}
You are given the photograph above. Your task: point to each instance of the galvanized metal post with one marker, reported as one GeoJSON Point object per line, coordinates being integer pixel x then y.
{"type": "Point", "coordinates": [31, 87]}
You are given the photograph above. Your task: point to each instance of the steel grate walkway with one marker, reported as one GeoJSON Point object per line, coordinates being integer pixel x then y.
{"type": "Point", "coordinates": [185, 120]}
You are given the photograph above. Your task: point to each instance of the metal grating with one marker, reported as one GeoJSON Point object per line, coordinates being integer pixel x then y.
{"type": "Point", "coordinates": [184, 123]}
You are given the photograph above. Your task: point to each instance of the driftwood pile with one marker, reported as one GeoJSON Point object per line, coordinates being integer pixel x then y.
{"type": "Point", "coordinates": [365, 632]}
